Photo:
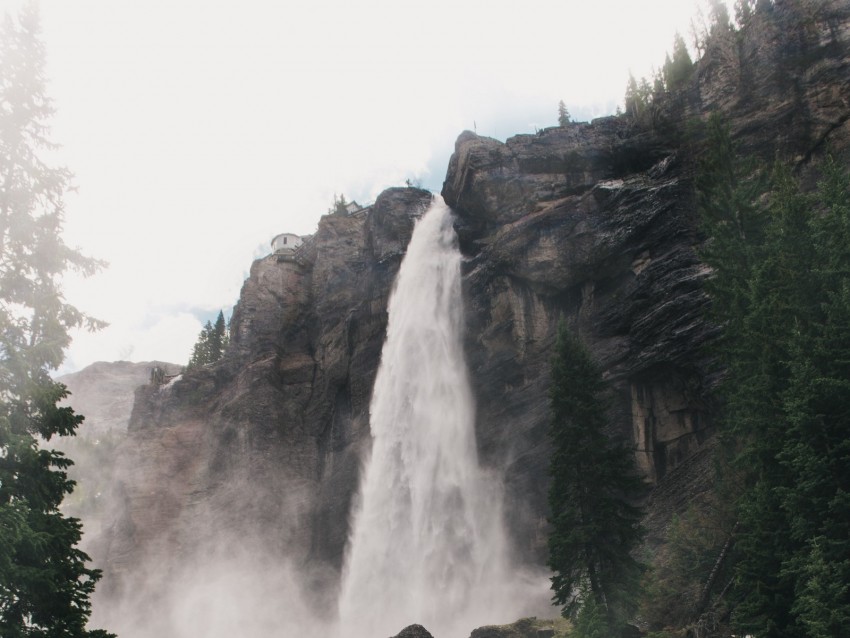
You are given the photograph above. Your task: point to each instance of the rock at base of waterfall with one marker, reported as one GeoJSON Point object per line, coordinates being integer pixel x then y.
{"type": "Point", "coordinates": [525, 628]}
{"type": "Point", "coordinates": [414, 631]}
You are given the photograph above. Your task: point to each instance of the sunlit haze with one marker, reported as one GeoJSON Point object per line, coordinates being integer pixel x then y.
{"type": "Point", "coordinates": [198, 130]}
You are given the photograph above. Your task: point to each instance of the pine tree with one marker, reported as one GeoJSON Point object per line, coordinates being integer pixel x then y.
{"type": "Point", "coordinates": [45, 583]}
{"type": "Point", "coordinates": [592, 495]}
{"type": "Point", "coordinates": [563, 114]}
{"type": "Point", "coordinates": [201, 350]}
{"type": "Point", "coordinates": [678, 68]}
{"type": "Point", "coordinates": [216, 339]}
{"type": "Point", "coordinates": [211, 344]}
{"type": "Point", "coordinates": [781, 290]}
{"type": "Point", "coordinates": [340, 206]}
{"type": "Point", "coordinates": [638, 100]}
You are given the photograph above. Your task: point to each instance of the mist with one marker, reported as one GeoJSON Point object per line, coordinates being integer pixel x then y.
{"type": "Point", "coordinates": [206, 534]}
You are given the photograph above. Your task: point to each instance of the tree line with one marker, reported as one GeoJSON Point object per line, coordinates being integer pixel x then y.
{"type": "Point", "coordinates": [781, 292]}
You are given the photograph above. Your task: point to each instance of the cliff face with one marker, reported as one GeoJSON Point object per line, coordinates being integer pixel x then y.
{"type": "Point", "coordinates": [264, 446]}
{"type": "Point", "coordinates": [594, 223]}
{"type": "Point", "coordinates": [609, 249]}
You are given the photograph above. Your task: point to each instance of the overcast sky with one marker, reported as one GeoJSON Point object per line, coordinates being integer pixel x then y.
{"type": "Point", "coordinates": [198, 129]}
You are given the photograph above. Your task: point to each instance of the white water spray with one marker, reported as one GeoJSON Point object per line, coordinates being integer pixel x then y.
{"type": "Point", "coordinates": [428, 544]}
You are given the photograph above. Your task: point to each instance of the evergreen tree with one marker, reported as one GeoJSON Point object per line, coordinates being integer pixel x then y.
{"type": "Point", "coordinates": [592, 495]}
{"type": "Point", "coordinates": [45, 583]}
{"type": "Point", "coordinates": [678, 68]}
{"type": "Point", "coordinates": [638, 100]}
{"type": "Point", "coordinates": [216, 338]}
{"type": "Point", "coordinates": [781, 290]}
{"type": "Point", "coordinates": [563, 114]}
{"type": "Point", "coordinates": [719, 16]}
{"type": "Point", "coordinates": [201, 350]}
{"type": "Point", "coordinates": [633, 102]}
{"type": "Point", "coordinates": [339, 206]}
{"type": "Point", "coordinates": [728, 189]}
{"type": "Point", "coordinates": [211, 344]}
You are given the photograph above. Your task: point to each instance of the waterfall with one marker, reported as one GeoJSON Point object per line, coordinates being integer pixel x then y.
{"type": "Point", "coordinates": [427, 543]}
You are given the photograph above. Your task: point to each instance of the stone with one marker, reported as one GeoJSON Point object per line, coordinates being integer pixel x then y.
{"type": "Point", "coordinates": [413, 631]}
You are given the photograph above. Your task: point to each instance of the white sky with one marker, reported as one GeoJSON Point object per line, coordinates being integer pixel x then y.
{"type": "Point", "coordinates": [198, 129]}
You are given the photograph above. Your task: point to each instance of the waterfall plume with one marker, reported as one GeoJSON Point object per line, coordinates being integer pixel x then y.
{"type": "Point", "coordinates": [427, 542]}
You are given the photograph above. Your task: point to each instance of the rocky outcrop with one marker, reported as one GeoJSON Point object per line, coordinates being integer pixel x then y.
{"type": "Point", "coordinates": [413, 631]}
{"type": "Point", "coordinates": [592, 223]}
{"type": "Point", "coordinates": [524, 628]}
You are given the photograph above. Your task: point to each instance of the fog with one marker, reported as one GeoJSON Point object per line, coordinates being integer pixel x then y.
{"type": "Point", "coordinates": [236, 589]}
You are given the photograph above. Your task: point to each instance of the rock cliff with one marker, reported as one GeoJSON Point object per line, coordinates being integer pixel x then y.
{"type": "Point", "coordinates": [594, 223]}
{"type": "Point", "coordinates": [264, 446]}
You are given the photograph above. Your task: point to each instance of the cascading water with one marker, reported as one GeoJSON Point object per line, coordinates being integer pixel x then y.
{"type": "Point", "coordinates": [427, 544]}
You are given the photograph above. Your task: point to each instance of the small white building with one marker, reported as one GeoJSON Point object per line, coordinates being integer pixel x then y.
{"type": "Point", "coordinates": [286, 243]}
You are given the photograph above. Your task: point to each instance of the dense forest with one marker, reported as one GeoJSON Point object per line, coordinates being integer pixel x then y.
{"type": "Point", "coordinates": [765, 552]}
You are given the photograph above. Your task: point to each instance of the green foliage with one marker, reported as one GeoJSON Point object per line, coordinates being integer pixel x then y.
{"type": "Point", "coordinates": [781, 290]}
{"type": "Point", "coordinates": [678, 68]}
{"type": "Point", "coordinates": [687, 585]}
{"type": "Point", "coordinates": [529, 627]}
{"type": "Point", "coordinates": [44, 581]}
{"type": "Point", "coordinates": [590, 620]}
{"type": "Point", "coordinates": [645, 103]}
{"type": "Point", "coordinates": [211, 344]}
{"type": "Point", "coordinates": [719, 16]}
{"type": "Point", "coordinates": [638, 99]}
{"type": "Point", "coordinates": [563, 114]}
{"type": "Point", "coordinates": [339, 206]}
{"type": "Point", "coordinates": [592, 494]}
{"type": "Point", "coordinates": [728, 190]}
{"type": "Point", "coordinates": [744, 10]}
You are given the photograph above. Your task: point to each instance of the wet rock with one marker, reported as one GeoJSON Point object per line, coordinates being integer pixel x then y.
{"type": "Point", "coordinates": [523, 628]}
{"type": "Point", "coordinates": [413, 631]}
